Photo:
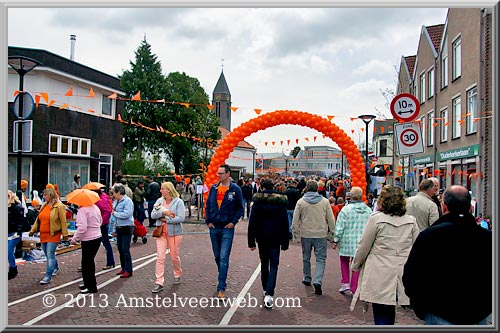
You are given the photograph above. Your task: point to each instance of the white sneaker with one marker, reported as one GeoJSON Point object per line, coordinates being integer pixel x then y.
{"type": "Point", "coordinates": [268, 301]}
{"type": "Point", "coordinates": [345, 287]}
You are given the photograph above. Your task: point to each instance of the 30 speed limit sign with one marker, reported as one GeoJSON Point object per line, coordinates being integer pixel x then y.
{"type": "Point", "coordinates": [409, 138]}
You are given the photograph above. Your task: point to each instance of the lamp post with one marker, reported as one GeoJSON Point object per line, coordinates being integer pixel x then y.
{"type": "Point", "coordinates": [367, 118]}
{"type": "Point", "coordinates": [206, 134]}
{"type": "Point", "coordinates": [286, 167]}
{"type": "Point", "coordinates": [22, 65]}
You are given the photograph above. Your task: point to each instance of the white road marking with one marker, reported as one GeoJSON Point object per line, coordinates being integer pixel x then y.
{"type": "Point", "coordinates": [72, 282]}
{"type": "Point", "coordinates": [229, 314]}
{"type": "Point", "coordinates": [65, 305]}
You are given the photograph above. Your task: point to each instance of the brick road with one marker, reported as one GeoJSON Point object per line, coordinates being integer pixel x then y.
{"type": "Point", "coordinates": [113, 305]}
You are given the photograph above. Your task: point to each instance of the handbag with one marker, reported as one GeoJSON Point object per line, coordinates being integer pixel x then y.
{"type": "Point", "coordinates": [158, 231]}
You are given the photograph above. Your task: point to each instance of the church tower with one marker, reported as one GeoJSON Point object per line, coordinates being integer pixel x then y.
{"type": "Point", "coordinates": [221, 99]}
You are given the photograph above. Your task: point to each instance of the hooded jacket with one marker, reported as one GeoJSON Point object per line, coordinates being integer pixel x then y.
{"type": "Point", "coordinates": [312, 217]}
{"type": "Point", "coordinates": [268, 223]}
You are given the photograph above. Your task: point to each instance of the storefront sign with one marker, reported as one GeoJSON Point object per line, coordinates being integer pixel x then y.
{"type": "Point", "coordinates": [459, 153]}
{"type": "Point", "coordinates": [423, 159]}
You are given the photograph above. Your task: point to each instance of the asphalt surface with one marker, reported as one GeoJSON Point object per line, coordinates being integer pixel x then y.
{"type": "Point", "coordinates": [192, 303]}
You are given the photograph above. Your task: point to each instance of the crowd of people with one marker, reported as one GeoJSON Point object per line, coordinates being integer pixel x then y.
{"type": "Point", "coordinates": [392, 248]}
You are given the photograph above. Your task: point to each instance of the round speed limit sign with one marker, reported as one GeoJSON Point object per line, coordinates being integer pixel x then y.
{"type": "Point", "coordinates": [409, 137]}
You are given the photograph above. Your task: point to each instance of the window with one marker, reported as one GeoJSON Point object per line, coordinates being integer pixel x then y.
{"type": "Point", "coordinates": [107, 106]}
{"type": "Point", "coordinates": [430, 83]}
{"type": "Point", "coordinates": [456, 118]}
{"type": "Point", "coordinates": [61, 172]}
{"type": "Point", "coordinates": [422, 126]}
{"type": "Point", "coordinates": [471, 111]}
{"type": "Point", "coordinates": [66, 145]}
{"type": "Point", "coordinates": [422, 88]}
{"type": "Point", "coordinates": [457, 58]}
{"type": "Point", "coordinates": [444, 125]}
{"type": "Point", "coordinates": [383, 148]}
{"type": "Point", "coordinates": [444, 64]}
{"type": "Point", "coordinates": [430, 132]}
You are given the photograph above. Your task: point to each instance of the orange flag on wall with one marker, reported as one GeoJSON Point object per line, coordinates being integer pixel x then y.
{"type": "Point", "coordinates": [434, 124]}
{"type": "Point", "coordinates": [45, 96]}
{"type": "Point", "coordinates": [113, 96]}
{"type": "Point", "coordinates": [185, 105]}
{"type": "Point", "coordinates": [91, 92]}
{"type": "Point", "coordinates": [137, 97]}
{"type": "Point", "coordinates": [210, 107]}
{"type": "Point", "coordinates": [460, 122]}
{"type": "Point", "coordinates": [64, 106]}
{"type": "Point", "coordinates": [69, 92]}
{"type": "Point", "coordinates": [51, 102]}
{"type": "Point", "coordinates": [37, 100]}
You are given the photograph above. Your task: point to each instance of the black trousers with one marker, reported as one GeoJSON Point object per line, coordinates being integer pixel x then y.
{"type": "Point", "coordinates": [89, 251]}
{"type": "Point", "coordinates": [384, 314]}
{"type": "Point", "coordinates": [269, 262]}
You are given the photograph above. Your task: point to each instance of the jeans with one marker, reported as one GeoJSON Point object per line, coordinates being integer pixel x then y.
{"type": "Point", "coordinates": [123, 238]}
{"type": "Point", "coordinates": [50, 252]}
{"type": "Point", "coordinates": [246, 203]}
{"type": "Point", "coordinates": [89, 251]}
{"type": "Point", "coordinates": [431, 319]}
{"type": "Point", "coordinates": [269, 261]}
{"type": "Point", "coordinates": [12, 243]}
{"type": "Point", "coordinates": [290, 220]}
{"type": "Point", "coordinates": [110, 259]}
{"type": "Point", "coordinates": [150, 209]}
{"type": "Point", "coordinates": [319, 245]}
{"type": "Point", "coordinates": [222, 242]}
{"type": "Point", "coordinates": [139, 213]}
{"type": "Point", "coordinates": [384, 314]}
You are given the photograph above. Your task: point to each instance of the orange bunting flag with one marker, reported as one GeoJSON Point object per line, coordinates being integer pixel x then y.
{"type": "Point", "coordinates": [330, 118]}
{"type": "Point", "coordinates": [352, 131]}
{"type": "Point", "coordinates": [51, 102]}
{"type": "Point", "coordinates": [362, 129]}
{"type": "Point", "coordinates": [185, 105]}
{"type": "Point", "coordinates": [16, 93]}
{"type": "Point", "coordinates": [37, 100]}
{"type": "Point", "coordinates": [273, 143]}
{"type": "Point", "coordinates": [210, 107]}
{"type": "Point", "coordinates": [160, 100]}
{"type": "Point", "coordinates": [476, 120]}
{"type": "Point", "coordinates": [314, 138]}
{"type": "Point", "coordinates": [446, 123]}
{"type": "Point", "coordinates": [258, 111]}
{"type": "Point", "coordinates": [352, 119]}
{"type": "Point", "coordinates": [417, 121]}
{"type": "Point", "coordinates": [91, 92]}
{"type": "Point", "coordinates": [296, 141]}
{"type": "Point", "coordinates": [137, 97]}
{"type": "Point", "coordinates": [113, 96]}
{"type": "Point", "coordinates": [467, 114]}
{"type": "Point", "coordinates": [434, 124]}
{"type": "Point", "coordinates": [234, 108]}
{"type": "Point", "coordinates": [64, 106]}
{"type": "Point", "coordinates": [307, 139]}
{"type": "Point", "coordinates": [45, 96]}
{"type": "Point", "coordinates": [281, 142]}
{"type": "Point", "coordinates": [266, 143]}
{"type": "Point", "coordinates": [382, 129]}
{"type": "Point", "coordinates": [119, 118]}
{"type": "Point", "coordinates": [90, 110]}
{"type": "Point", "coordinates": [69, 92]}
{"type": "Point", "coordinates": [460, 122]}
{"type": "Point", "coordinates": [288, 142]}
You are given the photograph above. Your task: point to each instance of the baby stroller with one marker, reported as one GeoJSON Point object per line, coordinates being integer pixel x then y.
{"type": "Point", "coordinates": [139, 231]}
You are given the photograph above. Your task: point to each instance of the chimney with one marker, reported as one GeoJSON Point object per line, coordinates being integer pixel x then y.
{"type": "Point", "coordinates": [72, 52]}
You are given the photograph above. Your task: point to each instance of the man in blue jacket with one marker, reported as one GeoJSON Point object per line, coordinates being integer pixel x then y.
{"type": "Point", "coordinates": [223, 210]}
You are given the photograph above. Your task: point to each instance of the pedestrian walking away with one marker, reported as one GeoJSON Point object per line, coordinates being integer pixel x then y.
{"type": "Point", "coordinates": [384, 247]}
{"type": "Point", "coordinates": [268, 227]}
{"type": "Point", "coordinates": [446, 264]}
{"type": "Point", "coordinates": [224, 208]}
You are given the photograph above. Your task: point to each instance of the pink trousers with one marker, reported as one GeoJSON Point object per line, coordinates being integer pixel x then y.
{"type": "Point", "coordinates": [162, 244]}
{"type": "Point", "coordinates": [345, 271]}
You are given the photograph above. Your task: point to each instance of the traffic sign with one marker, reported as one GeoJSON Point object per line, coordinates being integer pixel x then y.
{"type": "Point", "coordinates": [405, 107]}
{"type": "Point", "coordinates": [409, 138]}
{"type": "Point", "coordinates": [28, 105]}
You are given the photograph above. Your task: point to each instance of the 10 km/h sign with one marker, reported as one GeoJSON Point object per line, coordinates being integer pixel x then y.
{"type": "Point", "coordinates": [409, 138]}
{"type": "Point", "coordinates": [405, 107]}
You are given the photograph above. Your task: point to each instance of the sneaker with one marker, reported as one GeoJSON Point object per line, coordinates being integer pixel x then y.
{"type": "Point", "coordinates": [55, 272]}
{"type": "Point", "coordinates": [306, 283]}
{"type": "Point", "coordinates": [79, 269]}
{"type": "Point", "coordinates": [105, 268]}
{"type": "Point", "coordinates": [345, 287]}
{"type": "Point", "coordinates": [126, 275]}
{"type": "Point", "coordinates": [220, 294]}
{"type": "Point", "coordinates": [317, 289]}
{"type": "Point", "coordinates": [157, 289]}
{"type": "Point", "coordinates": [82, 286]}
{"type": "Point", "coordinates": [45, 280]}
{"type": "Point", "coordinates": [177, 280]}
{"type": "Point", "coordinates": [268, 301]}
{"type": "Point", "coordinates": [167, 251]}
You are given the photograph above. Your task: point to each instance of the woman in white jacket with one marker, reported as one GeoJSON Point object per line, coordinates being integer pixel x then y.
{"type": "Point", "coordinates": [169, 212]}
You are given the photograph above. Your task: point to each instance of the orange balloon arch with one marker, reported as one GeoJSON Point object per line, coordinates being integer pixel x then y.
{"type": "Point", "coordinates": [286, 117]}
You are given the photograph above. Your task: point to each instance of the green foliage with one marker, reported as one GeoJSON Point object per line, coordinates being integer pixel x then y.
{"type": "Point", "coordinates": [133, 164]}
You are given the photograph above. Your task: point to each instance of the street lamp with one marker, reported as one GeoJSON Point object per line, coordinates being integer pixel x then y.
{"type": "Point", "coordinates": [22, 65]}
{"type": "Point", "coordinates": [367, 118]}
{"type": "Point", "coordinates": [206, 134]}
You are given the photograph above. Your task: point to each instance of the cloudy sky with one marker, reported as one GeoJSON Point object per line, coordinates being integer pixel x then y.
{"type": "Point", "coordinates": [326, 61]}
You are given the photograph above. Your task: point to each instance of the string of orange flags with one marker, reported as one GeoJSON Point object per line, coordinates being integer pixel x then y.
{"type": "Point", "coordinates": [39, 96]}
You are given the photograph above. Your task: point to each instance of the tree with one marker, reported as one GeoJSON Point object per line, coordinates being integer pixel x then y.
{"type": "Point", "coordinates": [146, 77]}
